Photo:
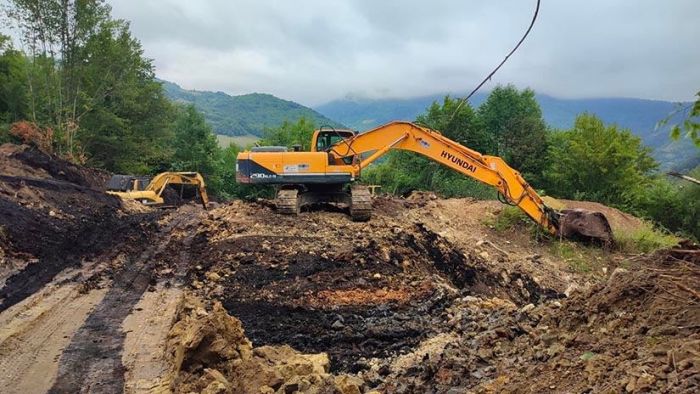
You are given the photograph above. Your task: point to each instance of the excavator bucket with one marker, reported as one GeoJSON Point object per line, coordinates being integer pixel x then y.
{"type": "Point", "coordinates": [585, 225]}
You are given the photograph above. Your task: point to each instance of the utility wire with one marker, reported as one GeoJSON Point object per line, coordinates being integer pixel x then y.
{"type": "Point", "coordinates": [515, 48]}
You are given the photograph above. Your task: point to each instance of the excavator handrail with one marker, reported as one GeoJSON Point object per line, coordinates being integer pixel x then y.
{"type": "Point", "coordinates": [490, 170]}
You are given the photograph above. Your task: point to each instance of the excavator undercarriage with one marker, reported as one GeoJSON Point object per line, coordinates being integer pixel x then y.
{"type": "Point", "coordinates": [357, 199]}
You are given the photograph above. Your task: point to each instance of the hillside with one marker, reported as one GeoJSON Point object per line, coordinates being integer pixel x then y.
{"type": "Point", "coordinates": [248, 114]}
{"type": "Point", "coordinates": [638, 115]}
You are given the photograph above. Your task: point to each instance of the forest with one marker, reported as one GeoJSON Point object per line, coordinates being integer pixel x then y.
{"type": "Point", "coordinates": [79, 86]}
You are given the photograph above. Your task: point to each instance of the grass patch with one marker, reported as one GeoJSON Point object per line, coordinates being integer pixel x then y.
{"type": "Point", "coordinates": [243, 141]}
{"type": "Point", "coordinates": [509, 218]}
{"type": "Point", "coordinates": [645, 239]}
{"type": "Point", "coordinates": [580, 258]}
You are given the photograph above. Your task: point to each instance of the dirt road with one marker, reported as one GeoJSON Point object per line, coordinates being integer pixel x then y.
{"type": "Point", "coordinates": [101, 296]}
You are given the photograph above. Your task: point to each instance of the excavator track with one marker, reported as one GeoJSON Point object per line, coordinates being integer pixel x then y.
{"type": "Point", "coordinates": [360, 203]}
{"type": "Point", "coordinates": [287, 202]}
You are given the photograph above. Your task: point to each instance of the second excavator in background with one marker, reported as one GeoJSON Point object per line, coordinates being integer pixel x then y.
{"type": "Point", "coordinates": [151, 191]}
{"type": "Point", "coordinates": [327, 173]}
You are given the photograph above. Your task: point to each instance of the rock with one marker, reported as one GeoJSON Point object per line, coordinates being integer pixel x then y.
{"type": "Point", "coordinates": [320, 362]}
{"type": "Point", "coordinates": [555, 349]}
{"type": "Point", "coordinates": [219, 382]}
{"type": "Point", "coordinates": [616, 274]}
{"type": "Point", "coordinates": [291, 388]}
{"type": "Point", "coordinates": [215, 388]}
{"type": "Point", "coordinates": [527, 308]}
{"type": "Point", "coordinates": [484, 255]}
{"type": "Point", "coordinates": [201, 311]}
{"type": "Point", "coordinates": [377, 276]}
{"type": "Point", "coordinates": [485, 353]}
{"type": "Point", "coordinates": [645, 381]}
{"type": "Point", "coordinates": [348, 384]}
{"type": "Point", "coordinates": [571, 289]}
{"type": "Point", "coordinates": [338, 325]}
{"type": "Point", "coordinates": [213, 276]}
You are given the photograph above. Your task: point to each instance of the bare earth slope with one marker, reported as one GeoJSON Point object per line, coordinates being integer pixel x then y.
{"type": "Point", "coordinates": [96, 295]}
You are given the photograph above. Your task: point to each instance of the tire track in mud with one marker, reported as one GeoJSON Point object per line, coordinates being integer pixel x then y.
{"type": "Point", "coordinates": [93, 359]}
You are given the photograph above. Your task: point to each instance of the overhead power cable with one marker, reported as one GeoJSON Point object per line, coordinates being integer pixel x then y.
{"type": "Point", "coordinates": [488, 77]}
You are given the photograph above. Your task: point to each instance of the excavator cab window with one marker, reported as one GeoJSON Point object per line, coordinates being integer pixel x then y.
{"type": "Point", "coordinates": [326, 140]}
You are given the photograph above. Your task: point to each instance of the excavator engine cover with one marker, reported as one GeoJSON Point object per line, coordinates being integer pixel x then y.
{"type": "Point", "coordinates": [585, 225]}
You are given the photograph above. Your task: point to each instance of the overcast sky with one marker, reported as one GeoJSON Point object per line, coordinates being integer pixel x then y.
{"type": "Point", "coordinates": [313, 51]}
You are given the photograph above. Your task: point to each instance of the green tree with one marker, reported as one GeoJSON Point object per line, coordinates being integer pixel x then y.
{"type": "Point", "coordinates": [289, 134]}
{"type": "Point", "coordinates": [689, 123]}
{"type": "Point", "coordinates": [13, 95]}
{"type": "Point", "coordinates": [517, 129]}
{"type": "Point", "coordinates": [128, 127]}
{"type": "Point", "coordinates": [673, 205]}
{"type": "Point", "coordinates": [593, 161]}
{"type": "Point", "coordinates": [195, 144]}
{"type": "Point", "coordinates": [87, 79]}
{"type": "Point", "coordinates": [195, 149]}
{"type": "Point", "coordinates": [227, 173]}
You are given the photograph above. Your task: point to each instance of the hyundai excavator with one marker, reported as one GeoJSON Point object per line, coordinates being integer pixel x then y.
{"type": "Point", "coordinates": [327, 173]}
{"type": "Point", "coordinates": [150, 191]}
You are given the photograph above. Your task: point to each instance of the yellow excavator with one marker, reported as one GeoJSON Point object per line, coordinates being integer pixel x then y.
{"type": "Point", "coordinates": [337, 157]}
{"type": "Point", "coordinates": [150, 191]}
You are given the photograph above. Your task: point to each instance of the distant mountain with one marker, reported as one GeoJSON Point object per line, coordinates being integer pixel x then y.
{"type": "Point", "coordinates": [248, 114]}
{"type": "Point", "coordinates": [638, 115]}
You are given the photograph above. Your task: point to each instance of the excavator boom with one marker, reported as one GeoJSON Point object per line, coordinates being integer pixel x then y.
{"type": "Point", "coordinates": [490, 170]}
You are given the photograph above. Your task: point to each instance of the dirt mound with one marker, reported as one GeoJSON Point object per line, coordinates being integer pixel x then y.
{"type": "Point", "coordinates": [619, 221]}
{"type": "Point", "coordinates": [51, 218]}
{"type": "Point", "coordinates": [637, 332]}
{"type": "Point", "coordinates": [24, 161]}
{"type": "Point", "coordinates": [211, 354]}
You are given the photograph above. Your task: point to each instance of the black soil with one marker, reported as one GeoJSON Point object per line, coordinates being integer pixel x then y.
{"type": "Point", "coordinates": [78, 223]}
{"type": "Point", "coordinates": [273, 282]}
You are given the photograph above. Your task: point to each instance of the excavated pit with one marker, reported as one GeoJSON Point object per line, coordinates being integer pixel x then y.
{"type": "Point", "coordinates": [371, 293]}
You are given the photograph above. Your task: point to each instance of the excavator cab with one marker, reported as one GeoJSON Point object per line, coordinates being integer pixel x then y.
{"type": "Point", "coordinates": [324, 139]}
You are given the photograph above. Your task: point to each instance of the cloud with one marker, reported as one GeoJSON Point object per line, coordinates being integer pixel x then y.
{"type": "Point", "coordinates": [313, 51]}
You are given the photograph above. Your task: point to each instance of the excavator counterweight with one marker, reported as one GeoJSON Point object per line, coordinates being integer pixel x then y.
{"type": "Point", "coordinates": [337, 158]}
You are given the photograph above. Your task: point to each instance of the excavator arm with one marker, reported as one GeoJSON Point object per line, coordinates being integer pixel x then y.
{"type": "Point", "coordinates": [152, 193]}
{"type": "Point", "coordinates": [490, 170]}
{"type": "Point", "coordinates": [162, 180]}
